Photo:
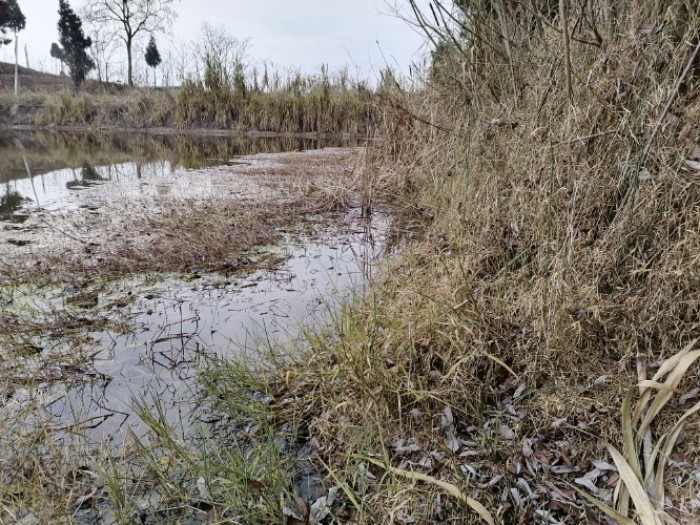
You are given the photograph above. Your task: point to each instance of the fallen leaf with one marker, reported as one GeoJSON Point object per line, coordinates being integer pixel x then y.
{"type": "Point", "coordinates": [694, 153]}
{"type": "Point", "coordinates": [321, 508]}
{"type": "Point", "coordinates": [690, 395]}
{"type": "Point", "coordinates": [292, 517]}
{"type": "Point", "coordinates": [604, 466]}
{"type": "Point", "coordinates": [588, 484]}
{"type": "Point", "coordinates": [693, 165]}
{"type": "Point", "coordinates": [494, 481]}
{"type": "Point", "coordinates": [613, 480]}
{"type": "Point", "coordinates": [644, 175]}
{"type": "Point", "coordinates": [203, 490]}
{"type": "Point", "coordinates": [593, 475]}
{"type": "Point", "coordinates": [520, 390]}
{"type": "Point", "coordinates": [254, 483]}
{"type": "Point", "coordinates": [448, 429]}
{"type": "Point", "coordinates": [563, 469]}
{"type": "Point", "coordinates": [523, 485]}
{"type": "Point", "coordinates": [506, 433]}
{"type": "Point", "coordinates": [559, 422]}
{"type": "Point", "coordinates": [647, 29]}
{"type": "Point", "coordinates": [600, 380]}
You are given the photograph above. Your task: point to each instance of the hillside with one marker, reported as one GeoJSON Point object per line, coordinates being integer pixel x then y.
{"type": "Point", "coordinates": [38, 81]}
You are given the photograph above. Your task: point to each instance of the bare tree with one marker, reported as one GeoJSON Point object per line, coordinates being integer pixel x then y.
{"type": "Point", "coordinates": [223, 56]}
{"type": "Point", "coordinates": [130, 18]}
{"type": "Point", "coordinates": [185, 61]}
{"type": "Point", "coordinates": [102, 51]}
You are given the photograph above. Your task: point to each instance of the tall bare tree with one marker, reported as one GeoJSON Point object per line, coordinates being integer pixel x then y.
{"type": "Point", "coordinates": [129, 19]}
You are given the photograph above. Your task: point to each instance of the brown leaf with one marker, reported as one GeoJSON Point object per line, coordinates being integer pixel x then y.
{"type": "Point", "coordinates": [614, 479]}
{"type": "Point", "coordinates": [254, 483]}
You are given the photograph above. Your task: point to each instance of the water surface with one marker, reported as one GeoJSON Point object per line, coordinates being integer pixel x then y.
{"type": "Point", "coordinates": [165, 328]}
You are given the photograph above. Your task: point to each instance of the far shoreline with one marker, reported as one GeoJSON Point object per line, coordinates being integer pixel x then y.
{"type": "Point", "coordinates": [188, 131]}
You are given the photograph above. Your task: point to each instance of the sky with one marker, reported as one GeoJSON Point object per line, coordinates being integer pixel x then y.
{"type": "Point", "coordinates": [362, 34]}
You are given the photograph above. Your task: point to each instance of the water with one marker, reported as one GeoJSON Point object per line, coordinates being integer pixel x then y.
{"type": "Point", "coordinates": [181, 326]}
{"type": "Point", "coordinates": [39, 171]}
{"type": "Point", "coordinates": [165, 328]}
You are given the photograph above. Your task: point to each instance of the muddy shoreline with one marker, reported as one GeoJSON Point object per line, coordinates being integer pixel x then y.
{"type": "Point", "coordinates": [213, 132]}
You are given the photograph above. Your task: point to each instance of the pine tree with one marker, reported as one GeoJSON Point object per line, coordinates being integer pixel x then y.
{"type": "Point", "coordinates": [153, 57]}
{"type": "Point", "coordinates": [12, 18]}
{"type": "Point", "coordinates": [73, 43]}
{"type": "Point", "coordinates": [57, 53]}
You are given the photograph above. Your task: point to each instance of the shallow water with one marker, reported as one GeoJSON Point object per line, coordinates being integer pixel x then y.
{"type": "Point", "coordinates": [180, 326]}
{"type": "Point", "coordinates": [40, 171]}
{"type": "Point", "coordinates": [170, 326]}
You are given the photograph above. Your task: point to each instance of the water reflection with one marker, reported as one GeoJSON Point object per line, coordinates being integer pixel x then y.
{"type": "Point", "coordinates": [10, 203]}
{"type": "Point", "coordinates": [44, 167]}
{"type": "Point", "coordinates": [88, 177]}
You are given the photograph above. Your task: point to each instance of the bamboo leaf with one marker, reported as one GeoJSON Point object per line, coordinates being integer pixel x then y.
{"type": "Point", "coordinates": [669, 443]}
{"type": "Point", "coordinates": [672, 382]}
{"type": "Point", "coordinates": [640, 498]}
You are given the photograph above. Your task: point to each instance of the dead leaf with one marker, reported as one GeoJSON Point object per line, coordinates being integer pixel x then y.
{"type": "Point", "coordinates": [648, 29]}
{"type": "Point", "coordinates": [321, 508]}
{"type": "Point", "coordinates": [692, 164]}
{"type": "Point", "coordinates": [644, 175]}
{"type": "Point", "coordinates": [593, 475]}
{"type": "Point", "coordinates": [292, 517]}
{"type": "Point", "coordinates": [694, 153]}
{"type": "Point", "coordinates": [563, 469]}
{"type": "Point", "coordinates": [690, 395]}
{"type": "Point", "coordinates": [614, 479]}
{"type": "Point", "coordinates": [448, 429]}
{"type": "Point", "coordinates": [254, 483]}
{"type": "Point", "coordinates": [506, 433]}
{"type": "Point", "coordinates": [588, 484]}
{"type": "Point", "coordinates": [559, 422]}
{"type": "Point", "coordinates": [600, 380]}
{"type": "Point", "coordinates": [604, 466]}
{"type": "Point", "coordinates": [203, 489]}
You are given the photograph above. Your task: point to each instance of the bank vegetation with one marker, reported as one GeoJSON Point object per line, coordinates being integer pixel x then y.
{"type": "Point", "coordinates": [531, 358]}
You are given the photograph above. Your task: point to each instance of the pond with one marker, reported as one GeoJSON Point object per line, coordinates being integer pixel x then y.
{"type": "Point", "coordinates": [105, 340]}
{"type": "Point", "coordinates": [39, 170]}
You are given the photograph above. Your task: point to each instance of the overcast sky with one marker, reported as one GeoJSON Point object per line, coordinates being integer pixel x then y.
{"type": "Point", "coordinates": [290, 33]}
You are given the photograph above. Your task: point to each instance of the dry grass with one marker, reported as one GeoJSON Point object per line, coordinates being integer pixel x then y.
{"type": "Point", "coordinates": [559, 245]}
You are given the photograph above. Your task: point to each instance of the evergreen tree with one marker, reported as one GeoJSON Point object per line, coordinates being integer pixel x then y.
{"type": "Point", "coordinates": [57, 53]}
{"type": "Point", "coordinates": [73, 43]}
{"type": "Point", "coordinates": [153, 57]}
{"type": "Point", "coordinates": [15, 21]}
{"type": "Point", "coordinates": [11, 18]}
